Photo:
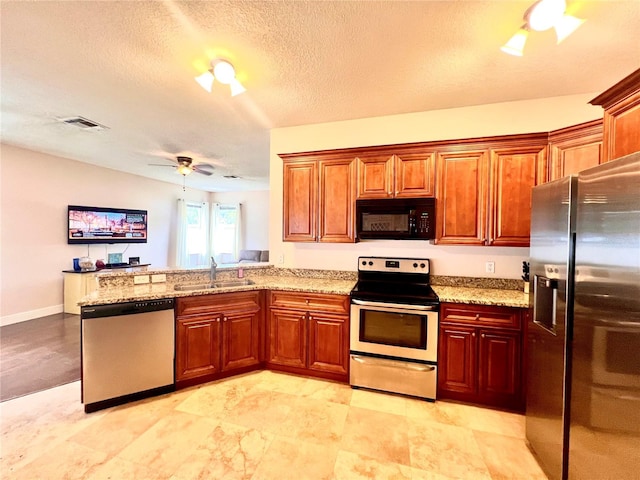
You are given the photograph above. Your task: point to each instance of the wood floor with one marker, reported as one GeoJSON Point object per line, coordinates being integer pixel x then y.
{"type": "Point", "coordinates": [39, 354]}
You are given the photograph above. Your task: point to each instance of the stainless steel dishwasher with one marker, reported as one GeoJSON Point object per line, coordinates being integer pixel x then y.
{"type": "Point", "coordinates": [127, 352]}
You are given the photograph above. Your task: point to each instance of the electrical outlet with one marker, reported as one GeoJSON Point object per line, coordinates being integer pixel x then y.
{"type": "Point", "coordinates": [158, 277]}
{"type": "Point", "coordinates": [490, 267]}
{"type": "Point", "coordinates": [140, 279]}
{"type": "Point", "coordinates": [281, 258]}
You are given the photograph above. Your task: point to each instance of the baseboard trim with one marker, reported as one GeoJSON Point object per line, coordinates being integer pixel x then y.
{"type": "Point", "coordinates": [30, 315]}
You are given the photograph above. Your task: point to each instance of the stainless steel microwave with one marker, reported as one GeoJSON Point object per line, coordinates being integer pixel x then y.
{"type": "Point", "coordinates": [396, 219]}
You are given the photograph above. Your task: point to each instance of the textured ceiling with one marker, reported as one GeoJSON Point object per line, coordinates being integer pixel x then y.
{"type": "Point", "coordinates": [130, 66]}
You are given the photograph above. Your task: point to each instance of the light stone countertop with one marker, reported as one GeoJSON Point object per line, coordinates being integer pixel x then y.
{"type": "Point", "coordinates": [155, 291]}
{"type": "Point", "coordinates": [119, 288]}
{"type": "Point", "coordinates": [482, 296]}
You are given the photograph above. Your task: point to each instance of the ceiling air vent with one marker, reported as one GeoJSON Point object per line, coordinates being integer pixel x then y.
{"type": "Point", "coordinates": [231, 176]}
{"type": "Point", "coordinates": [83, 123]}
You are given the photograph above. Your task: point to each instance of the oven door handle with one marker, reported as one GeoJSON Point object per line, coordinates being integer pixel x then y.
{"type": "Point", "coordinates": [419, 308]}
{"type": "Point", "coordinates": [391, 363]}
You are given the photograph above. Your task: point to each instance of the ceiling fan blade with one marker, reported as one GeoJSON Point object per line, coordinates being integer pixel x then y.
{"type": "Point", "coordinates": [160, 165]}
{"type": "Point", "coordinates": [202, 172]}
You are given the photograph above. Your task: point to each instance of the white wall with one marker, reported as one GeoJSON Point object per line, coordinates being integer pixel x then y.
{"type": "Point", "coordinates": [36, 190]}
{"type": "Point", "coordinates": [528, 116]}
{"type": "Point", "coordinates": [255, 216]}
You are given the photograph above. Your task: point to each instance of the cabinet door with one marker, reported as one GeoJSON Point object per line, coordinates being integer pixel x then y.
{"type": "Point", "coordinates": [499, 367]}
{"type": "Point", "coordinates": [328, 343]}
{"type": "Point", "coordinates": [575, 149]}
{"type": "Point", "coordinates": [300, 201]}
{"type": "Point", "coordinates": [457, 359]}
{"type": "Point", "coordinates": [415, 174]}
{"type": "Point", "coordinates": [621, 127]}
{"type": "Point", "coordinates": [462, 198]}
{"type": "Point", "coordinates": [197, 346]}
{"type": "Point", "coordinates": [375, 176]}
{"type": "Point", "coordinates": [240, 339]}
{"type": "Point", "coordinates": [287, 335]}
{"type": "Point", "coordinates": [337, 200]}
{"type": "Point", "coordinates": [514, 172]}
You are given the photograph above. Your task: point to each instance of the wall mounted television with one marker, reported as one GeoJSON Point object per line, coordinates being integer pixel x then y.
{"type": "Point", "coordinates": [106, 225]}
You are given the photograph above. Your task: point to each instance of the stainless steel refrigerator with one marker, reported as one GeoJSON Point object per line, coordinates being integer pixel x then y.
{"type": "Point", "coordinates": [583, 340]}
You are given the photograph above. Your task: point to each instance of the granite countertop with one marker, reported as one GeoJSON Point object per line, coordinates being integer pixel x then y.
{"type": "Point", "coordinates": [119, 288]}
{"type": "Point", "coordinates": [154, 291]}
{"type": "Point", "coordinates": [482, 296]}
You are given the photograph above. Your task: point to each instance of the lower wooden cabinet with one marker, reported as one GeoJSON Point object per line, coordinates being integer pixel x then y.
{"type": "Point", "coordinates": [217, 334]}
{"type": "Point", "coordinates": [480, 358]}
{"type": "Point", "coordinates": [309, 334]}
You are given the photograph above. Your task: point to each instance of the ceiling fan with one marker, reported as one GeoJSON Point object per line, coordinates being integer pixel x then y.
{"type": "Point", "coordinates": [185, 166]}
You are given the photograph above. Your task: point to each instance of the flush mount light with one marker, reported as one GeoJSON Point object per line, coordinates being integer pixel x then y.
{"type": "Point", "coordinates": [224, 73]}
{"type": "Point", "coordinates": [541, 16]}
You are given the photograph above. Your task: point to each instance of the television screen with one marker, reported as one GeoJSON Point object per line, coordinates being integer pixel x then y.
{"type": "Point", "coordinates": [106, 225]}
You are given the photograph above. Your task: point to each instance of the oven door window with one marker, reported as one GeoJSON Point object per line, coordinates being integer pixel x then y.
{"type": "Point", "coordinates": [397, 329]}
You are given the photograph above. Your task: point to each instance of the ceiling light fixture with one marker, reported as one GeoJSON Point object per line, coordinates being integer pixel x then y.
{"type": "Point", "coordinates": [541, 16]}
{"type": "Point", "coordinates": [184, 169]}
{"type": "Point", "coordinates": [224, 73]}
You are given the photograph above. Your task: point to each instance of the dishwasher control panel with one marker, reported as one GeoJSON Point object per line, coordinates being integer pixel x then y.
{"type": "Point", "coordinates": [127, 308]}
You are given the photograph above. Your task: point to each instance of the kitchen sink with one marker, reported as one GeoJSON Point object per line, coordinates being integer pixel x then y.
{"type": "Point", "coordinates": [211, 286]}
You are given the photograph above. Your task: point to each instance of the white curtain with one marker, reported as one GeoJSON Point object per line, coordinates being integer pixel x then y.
{"type": "Point", "coordinates": [182, 259]}
{"type": "Point", "coordinates": [226, 235]}
{"type": "Point", "coordinates": [192, 234]}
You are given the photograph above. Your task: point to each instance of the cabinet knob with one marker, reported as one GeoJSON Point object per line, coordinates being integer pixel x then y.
{"type": "Point", "coordinates": [218, 320]}
{"type": "Point", "coordinates": [225, 319]}
{"type": "Point", "coordinates": [483, 335]}
{"type": "Point", "coordinates": [473, 334]}
{"type": "Point", "coordinates": [310, 317]}
{"type": "Point", "coordinates": [477, 316]}
{"type": "Point", "coordinates": [307, 301]}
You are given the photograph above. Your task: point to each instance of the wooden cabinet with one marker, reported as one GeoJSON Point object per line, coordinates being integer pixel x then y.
{"type": "Point", "coordinates": [514, 171]}
{"type": "Point", "coordinates": [484, 195]}
{"type": "Point", "coordinates": [309, 334]}
{"type": "Point", "coordinates": [216, 334]}
{"type": "Point", "coordinates": [318, 198]}
{"type": "Point", "coordinates": [408, 173]}
{"type": "Point", "coordinates": [621, 120]}
{"type": "Point", "coordinates": [574, 149]}
{"type": "Point", "coordinates": [480, 357]}
{"type": "Point", "coordinates": [461, 204]}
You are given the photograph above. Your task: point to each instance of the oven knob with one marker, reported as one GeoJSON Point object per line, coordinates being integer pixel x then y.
{"type": "Point", "coordinates": [422, 265]}
{"type": "Point", "coordinates": [370, 263]}
{"type": "Point", "coordinates": [415, 265]}
{"type": "Point", "coordinates": [364, 262]}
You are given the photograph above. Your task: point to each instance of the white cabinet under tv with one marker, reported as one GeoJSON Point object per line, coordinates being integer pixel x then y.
{"type": "Point", "coordinates": [76, 286]}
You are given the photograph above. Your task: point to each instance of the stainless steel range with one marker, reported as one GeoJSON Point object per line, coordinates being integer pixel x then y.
{"type": "Point", "coordinates": [394, 327]}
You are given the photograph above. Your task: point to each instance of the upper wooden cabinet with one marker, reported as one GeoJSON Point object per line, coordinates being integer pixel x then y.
{"type": "Point", "coordinates": [319, 198]}
{"type": "Point", "coordinates": [574, 149]}
{"type": "Point", "coordinates": [484, 195]}
{"type": "Point", "coordinates": [409, 173]}
{"type": "Point", "coordinates": [621, 105]}
{"type": "Point", "coordinates": [461, 204]}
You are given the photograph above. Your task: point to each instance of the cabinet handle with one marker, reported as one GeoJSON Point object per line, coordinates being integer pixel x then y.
{"type": "Point", "coordinates": [473, 334]}
{"type": "Point", "coordinates": [225, 319]}
{"type": "Point", "coordinates": [307, 300]}
{"type": "Point", "coordinates": [310, 317]}
{"type": "Point", "coordinates": [477, 316]}
{"type": "Point", "coordinates": [482, 335]}
{"type": "Point", "coordinates": [218, 320]}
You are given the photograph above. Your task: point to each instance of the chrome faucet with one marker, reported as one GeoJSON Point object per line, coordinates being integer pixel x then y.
{"type": "Point", "coordinates": [214, 265]}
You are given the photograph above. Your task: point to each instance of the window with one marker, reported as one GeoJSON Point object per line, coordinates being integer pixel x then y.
{"type": "Point", "coordinates": [225, 231]}
{"type": "Point", "coordinates": [192, 243]}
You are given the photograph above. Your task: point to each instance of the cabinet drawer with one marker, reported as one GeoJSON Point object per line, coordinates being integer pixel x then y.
{"type": "Point", "coordinates": [318, 302]}
{"type": "Point", "coordinates": [201, 304]}
{"type": "Point", "coordinates": [481, 315]}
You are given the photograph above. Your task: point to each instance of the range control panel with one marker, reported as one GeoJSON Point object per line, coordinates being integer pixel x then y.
{"type": "Point", "coordinates": [395, 265]}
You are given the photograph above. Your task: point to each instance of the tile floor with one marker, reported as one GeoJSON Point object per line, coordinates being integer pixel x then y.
{"type": "Point", "coordinates": [263, 425]}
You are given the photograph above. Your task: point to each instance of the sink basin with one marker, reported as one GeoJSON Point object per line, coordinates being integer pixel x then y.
{"type": "Point", "coordinates": [210, 286]}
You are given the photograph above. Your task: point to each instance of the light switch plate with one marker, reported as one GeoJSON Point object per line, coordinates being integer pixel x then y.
{"type": "Point", "coordinates": [140, 279]}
